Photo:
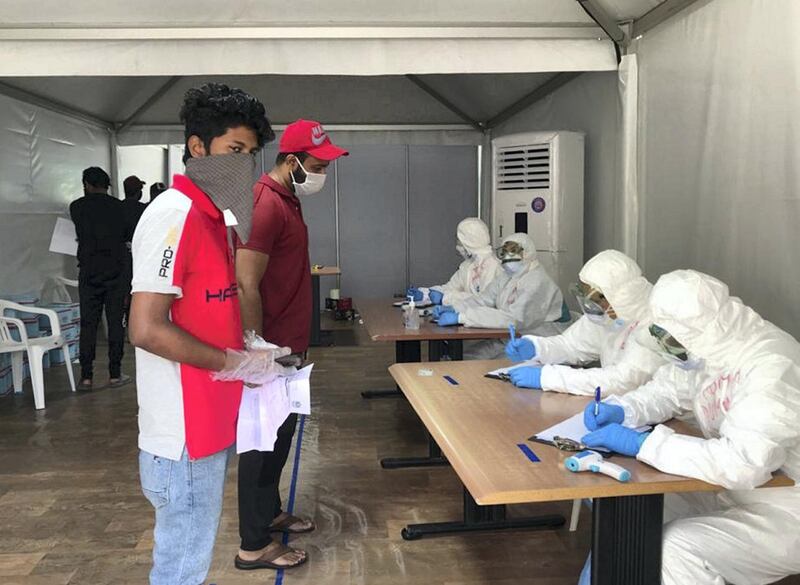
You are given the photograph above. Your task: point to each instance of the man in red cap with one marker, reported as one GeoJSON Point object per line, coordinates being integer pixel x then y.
{"type": "Point", "coordinates": [273, 274]}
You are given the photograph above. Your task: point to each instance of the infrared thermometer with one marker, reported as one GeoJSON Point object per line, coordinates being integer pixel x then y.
{"type": "Point", "coordinates": [594, 462]}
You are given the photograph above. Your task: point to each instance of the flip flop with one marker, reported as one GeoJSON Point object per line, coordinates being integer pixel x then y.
{"type": "Point", "coordinates": [285, 526]}
{"type": "Point", "coordinates": [121, 381]}
{"type": "Point", "coordinates": [267, 560]}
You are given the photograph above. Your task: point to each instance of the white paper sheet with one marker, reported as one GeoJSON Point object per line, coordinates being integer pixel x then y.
{"type": "Point", "coordinates": [64, 240]}
{"type": "Point", "coordinates": [573, 427]}
{"type": "Point", "coordinates": [299, 391]}
{"type": "Point", "coordinates": [496, 373]}
{"type": "Point", "coordinates": [265, 408]}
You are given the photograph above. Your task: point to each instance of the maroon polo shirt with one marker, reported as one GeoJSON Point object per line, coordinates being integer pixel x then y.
{"type": "Point", "coordinates": [280, 232]}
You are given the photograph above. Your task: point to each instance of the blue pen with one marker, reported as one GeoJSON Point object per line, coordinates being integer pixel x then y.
{"type": "Point", "coordinates": [512, 332]}
{"type": "Point", "coordinates": [597, 401]}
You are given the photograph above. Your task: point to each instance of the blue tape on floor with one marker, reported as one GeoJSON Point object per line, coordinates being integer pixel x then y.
{"type": "Point", "coordinates": [293, 486]}
{"type": "Point", "coordinates": [451, 380]}
{"type": "Point", "coordinates": [528, 453]}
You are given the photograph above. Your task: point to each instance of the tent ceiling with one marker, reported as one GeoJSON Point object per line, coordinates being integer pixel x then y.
{"type": "Point", "coordinates": [343, 61]}
{"type": "Point", "coordinates": [193, 13]}
{"type": "Point", "coordinates": [334, 99]}
{"type": "Point", "coordinates": [315, 37]}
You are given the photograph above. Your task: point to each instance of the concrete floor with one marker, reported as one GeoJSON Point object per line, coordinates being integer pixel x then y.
{"type": "Point", "coordinates": [71, 511]}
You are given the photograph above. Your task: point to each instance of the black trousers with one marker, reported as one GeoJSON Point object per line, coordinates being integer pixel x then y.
{"type": "Point", "coordinates": [259, 488]}
{"type": "Point", "coordinates": [98, 291]}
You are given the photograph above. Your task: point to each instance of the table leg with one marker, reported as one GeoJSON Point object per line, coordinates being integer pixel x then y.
{"type": "Point", "coordinates": [404, 352]}
{"type": "Point", "coordinates": [316, 333]}
{"type": "Point", "coordinates": [435, 457]}
{"type": "Point", "coordinates": [627, 540]}
{"type": "Point", "coordinates": [480, 518]}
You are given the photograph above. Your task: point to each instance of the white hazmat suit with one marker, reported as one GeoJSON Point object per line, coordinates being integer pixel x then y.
{"type": "Point", "coordinates": [746, 399]}
{"type": "Point", "coordinates": [478, 269]}
{"type": "Point", "coordinates": [628, 355]}
{"type": "Point", "coordinates": [528, 299]}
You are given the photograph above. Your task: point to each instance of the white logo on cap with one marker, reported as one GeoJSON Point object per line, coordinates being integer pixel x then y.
{"type": "Point", "coordinates": [318, 135]}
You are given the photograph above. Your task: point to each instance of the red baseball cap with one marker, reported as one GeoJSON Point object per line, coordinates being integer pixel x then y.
{"type": "Point", "coordinates": [310, 137]}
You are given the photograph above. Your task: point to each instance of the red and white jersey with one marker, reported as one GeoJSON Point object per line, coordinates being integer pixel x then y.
{"type": "Point", "coordinates": [181, 248]}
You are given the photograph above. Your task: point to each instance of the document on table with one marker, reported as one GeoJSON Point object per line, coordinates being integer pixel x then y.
{"type": "Point", "coordinates": [499, 373]}
{"type": "Point", "coordinates": [265, 408]}
{"type": "Point", "coordinates": [64, 239]}
{"type": "Point", "coordinates": [573, 428]}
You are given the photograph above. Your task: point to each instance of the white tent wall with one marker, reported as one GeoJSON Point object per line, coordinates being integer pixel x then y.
{"type": "Point", "coordinates": [720, 149]}
{"type": "Point", "coordinates": [588, 104]}
{"type": "Point", "coordinates": [42, 155]}
{"type": "Point", "coordinates": [148, 162]}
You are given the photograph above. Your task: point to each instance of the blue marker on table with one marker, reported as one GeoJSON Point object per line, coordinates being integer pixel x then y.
{"type": "Point", "coordinates": [597, 401]}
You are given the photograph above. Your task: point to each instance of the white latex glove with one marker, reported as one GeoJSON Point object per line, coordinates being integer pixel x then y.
{"type": "Point", "coordinates": [253, 366]}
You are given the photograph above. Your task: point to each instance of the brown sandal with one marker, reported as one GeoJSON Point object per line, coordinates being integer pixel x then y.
{"type": "Point", "coordinates": [285, 525]}
{"type": "Point", "coordinates": [267, 560]}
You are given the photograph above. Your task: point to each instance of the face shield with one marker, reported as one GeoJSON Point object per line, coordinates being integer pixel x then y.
{"type": "Point", "coordinates": [590, 300]}
{"type": "Point", "coordinates": [510, 255]}
{"type": "Point", "coordinates": [673, 349]}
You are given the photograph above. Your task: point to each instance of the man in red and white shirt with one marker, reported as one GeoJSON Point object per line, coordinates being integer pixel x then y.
{"type": "Point", "coordinates": [185, 325]}
{"type": "Point", "coordinates": [274, 278]}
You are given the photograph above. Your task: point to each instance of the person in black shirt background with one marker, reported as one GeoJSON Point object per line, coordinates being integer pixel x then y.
{"type": "Point", "coordinates": [102, 231]}
{"type": "Point", "coordinates": [133, 208]}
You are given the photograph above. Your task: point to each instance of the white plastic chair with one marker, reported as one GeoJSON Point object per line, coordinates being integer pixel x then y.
{"type": "Point", "coordinates": [36, 347]}
{"type": "Point", "coordinates": [62, 283]}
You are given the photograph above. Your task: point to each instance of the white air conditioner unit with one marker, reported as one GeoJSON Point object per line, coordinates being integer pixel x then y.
{"type": "Point", "coordinates": [538, 189]}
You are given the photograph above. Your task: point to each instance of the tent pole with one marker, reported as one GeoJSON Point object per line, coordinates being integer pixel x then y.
{"type": "Point", "coordinates": [148, 102]}
{"type": "Point", "coordinates": [657, 15]}
{"type": "Point", "coordinates": [52, 105]}
{"type": "Point", "coordinates": [114, 170]}
{"type": "Point", "coordinates": [531, 98]}
{"type": "Point", "coordinates": [604, 21]}
{"type": "Point", "coordinates": [445, 102]}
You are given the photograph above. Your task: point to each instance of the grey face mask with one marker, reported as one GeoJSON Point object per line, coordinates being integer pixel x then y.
{"type": "Point", "coordinates": [228, 181]}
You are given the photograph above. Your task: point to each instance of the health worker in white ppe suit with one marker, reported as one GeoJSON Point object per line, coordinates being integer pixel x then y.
{"type": "Point", "coordinates": [527, 298]}
{"type": "Point", "coordinates": [476, 272]}
{"type": "Point", "coordinates": [738, 374]}
{"type": "Point", "coordinates": [613, 296]}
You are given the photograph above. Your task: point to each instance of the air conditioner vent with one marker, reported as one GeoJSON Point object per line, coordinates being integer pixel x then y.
{"type": "Point", "coordinates": [523, 167]}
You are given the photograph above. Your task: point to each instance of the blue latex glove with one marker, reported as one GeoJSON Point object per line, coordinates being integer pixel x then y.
{"type": "Point", "coordinates": [436, 297]}
{"type": "Point", "coordinates": [449, 318]}
{"type": "Point", "coordinates": [441, 310]}
{"type": "Point", "coordinates": [617, 438]}
{"type": "Point", "coordinates": [415, 294]}
{"type": "Point", "coordinates": [519, 350]}
{"type": "Point", "coordinates": [527, 377]}
{"type": "Point", "coordinates": [608, 413]}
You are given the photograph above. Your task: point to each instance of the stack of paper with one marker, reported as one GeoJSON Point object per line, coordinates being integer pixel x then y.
{"type": "Point", "coordinates": [265, 408]}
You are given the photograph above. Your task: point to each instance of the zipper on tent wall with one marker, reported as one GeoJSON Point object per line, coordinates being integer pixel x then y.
{"type": "Point", "coordinates": [336, 220]}
{"type": "Point", "coordinates": [408, 218]}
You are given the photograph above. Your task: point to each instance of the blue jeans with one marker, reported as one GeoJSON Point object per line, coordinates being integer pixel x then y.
{"type": "Point", "coordinates": [187, 497]}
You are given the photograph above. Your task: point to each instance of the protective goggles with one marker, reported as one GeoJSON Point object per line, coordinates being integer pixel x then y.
{"type": "Point", "coordinates": [510, 252]}
{"type": "Point", "coordinates": [668, 343]}
{"type": "Point", "coordinates": [589, 299]}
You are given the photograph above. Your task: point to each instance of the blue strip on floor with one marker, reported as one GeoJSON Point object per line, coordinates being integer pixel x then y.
{"type": "Point", "coordinates": [528, 452]}
{"type": "Point", "coordinates": [293, 486]}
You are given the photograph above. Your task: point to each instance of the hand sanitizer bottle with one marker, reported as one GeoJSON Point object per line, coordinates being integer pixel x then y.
{"type": "Point", "coordinates": [410, 315]}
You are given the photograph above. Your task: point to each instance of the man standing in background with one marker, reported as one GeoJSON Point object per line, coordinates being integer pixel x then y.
{"type": "Point", "coordinates": [273, 274]}
{"type": "Point", "coordinates": [102, 234]}
{"type": "Point", "coordinates": [132, 204]}
{"type": "Point", "coordinates": [133, 208]}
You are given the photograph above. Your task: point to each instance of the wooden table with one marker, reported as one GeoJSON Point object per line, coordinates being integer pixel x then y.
{"type": "Point", "coordinates": [384, 322]}
{"type": "Point", "coordinates": [480, 425]}
{"type": "Point", "coordinates": [316, 330]}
